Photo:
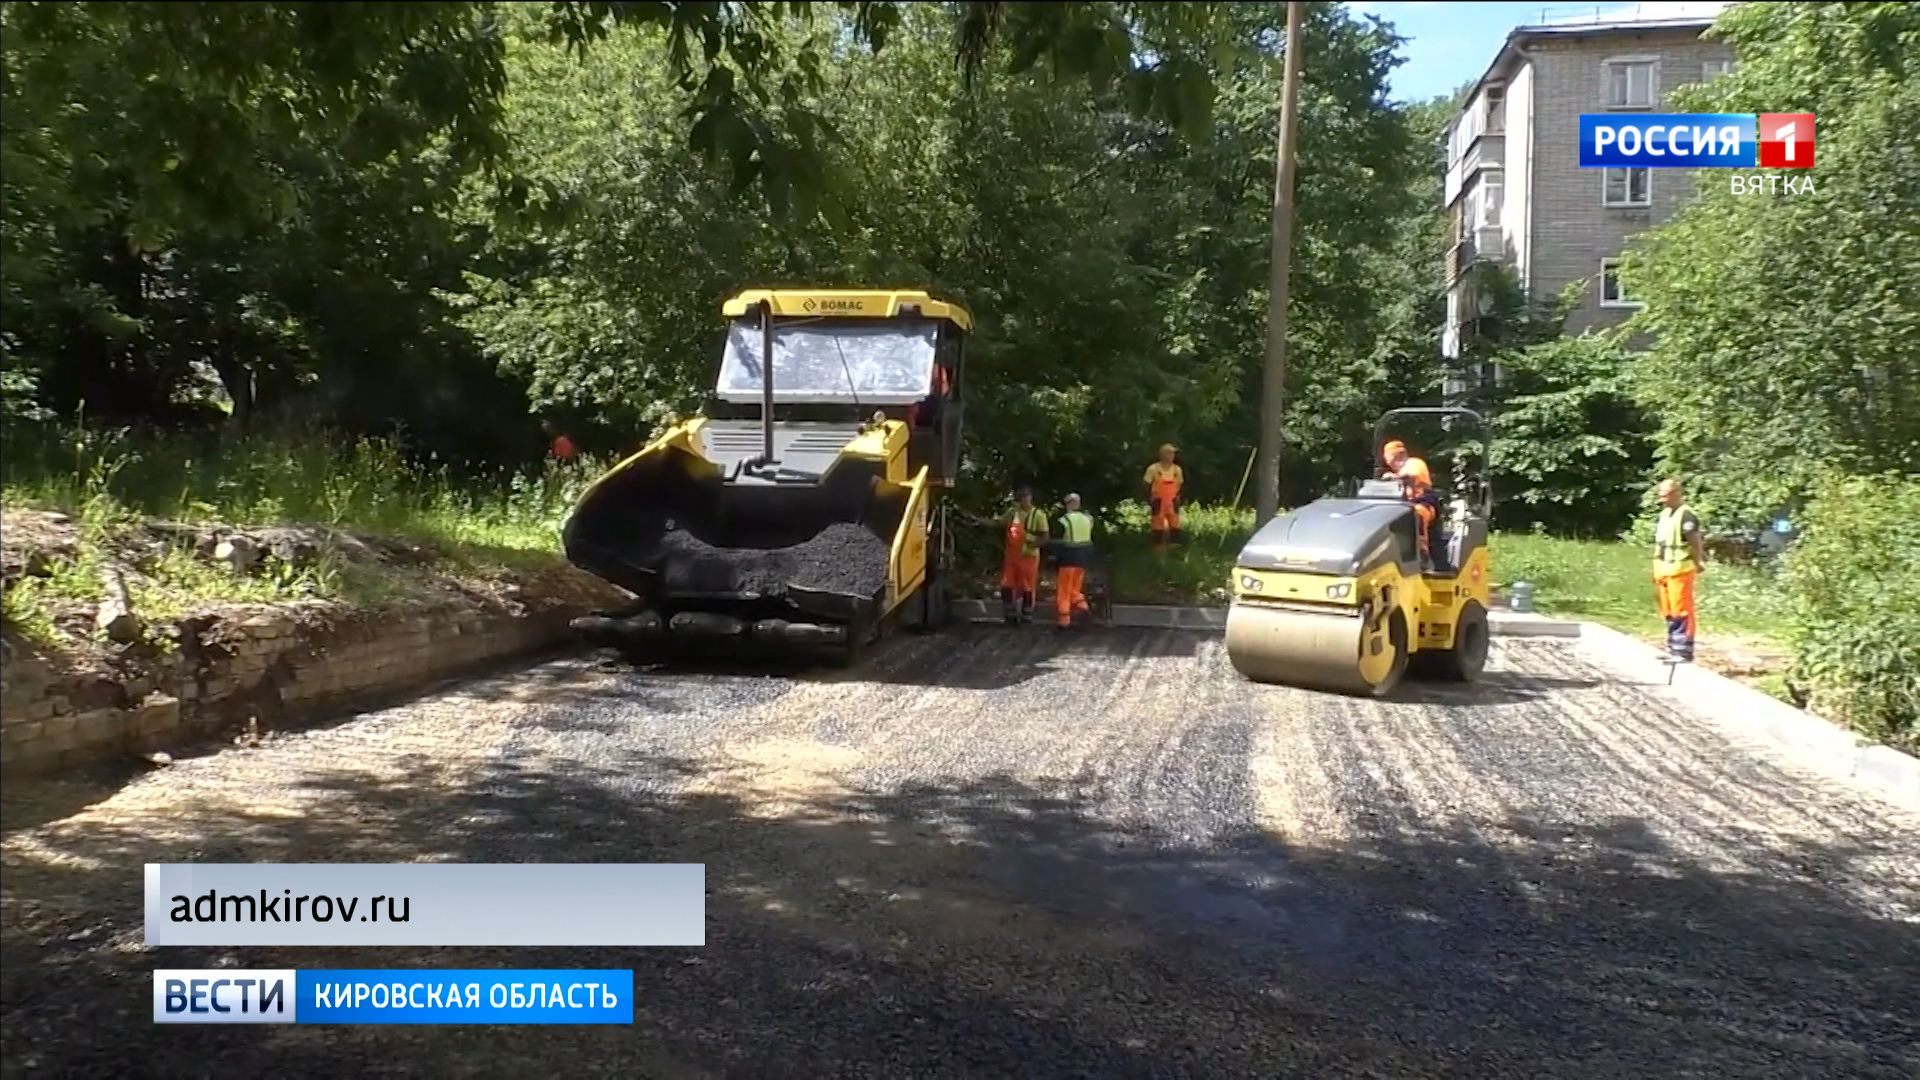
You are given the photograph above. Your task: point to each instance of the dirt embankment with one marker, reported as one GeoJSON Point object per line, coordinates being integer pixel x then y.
{"type": "Point", "coordinates": [155, 634]}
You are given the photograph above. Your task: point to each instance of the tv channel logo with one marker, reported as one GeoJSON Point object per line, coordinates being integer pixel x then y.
{"type": "Point", "coordinates": [223, 996]}
{"type": "Point", "coordinates": [1696, 141]}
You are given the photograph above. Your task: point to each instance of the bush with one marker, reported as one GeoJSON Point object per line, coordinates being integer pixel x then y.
{"type": "Point", "coordinates": [1854, 578]}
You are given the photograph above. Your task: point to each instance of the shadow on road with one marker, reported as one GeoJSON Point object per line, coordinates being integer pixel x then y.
{"type": "Point", "coordinates": [1492, 688]}
{"type": "Point", "coordinates": [1001, 928]}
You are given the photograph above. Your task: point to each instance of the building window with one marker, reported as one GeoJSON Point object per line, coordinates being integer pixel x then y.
{"type": "Point", "coordinates": [1630, 84]}
{"type": "Point", "coordinates": [1627, 188]}
{"type": "Point", "coordinates": [1612, 293]}
{"type": "Point", "coordinates": [1496, 109]}
{"type": "Point", "coordinates": [1493, 183]}
{"type": "Point", "coordinates": [1713, 69]}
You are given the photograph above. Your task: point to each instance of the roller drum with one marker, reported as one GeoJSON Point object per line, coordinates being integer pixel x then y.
{"type": "Point", "coordinates": [1312, 650]}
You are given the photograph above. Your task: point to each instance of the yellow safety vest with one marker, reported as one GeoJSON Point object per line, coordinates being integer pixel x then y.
{"type": "Point", "coordinates": [1076, 529]}
{"type": "Point", "coordinates": [1672, 551]}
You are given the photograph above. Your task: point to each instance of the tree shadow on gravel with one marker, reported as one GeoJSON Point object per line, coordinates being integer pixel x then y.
{"type": "Point", "coordinates": [999, 928]}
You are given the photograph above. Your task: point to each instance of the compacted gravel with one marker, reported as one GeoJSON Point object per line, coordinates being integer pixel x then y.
{"type": "Point", "coordinates": [998, 853]}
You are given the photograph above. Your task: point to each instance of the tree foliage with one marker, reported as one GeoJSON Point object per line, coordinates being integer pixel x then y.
{"type": "Point", "coordinates": [1117, 268]}
{"type": "Point", "coordinates": [1788, 326]}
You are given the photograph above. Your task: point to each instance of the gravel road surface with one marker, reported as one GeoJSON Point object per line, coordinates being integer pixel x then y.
{"type": "Point", "coordinates": [1000, 853]}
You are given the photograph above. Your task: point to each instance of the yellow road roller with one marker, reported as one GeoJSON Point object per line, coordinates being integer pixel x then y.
{"type": "Point", "coordinates": [1337, 596]}
{"type": "Point", "coordinates": [804, 510]}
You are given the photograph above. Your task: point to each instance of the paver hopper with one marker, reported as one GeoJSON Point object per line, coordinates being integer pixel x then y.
{"type": "Point", "coordinates": [802, 512]}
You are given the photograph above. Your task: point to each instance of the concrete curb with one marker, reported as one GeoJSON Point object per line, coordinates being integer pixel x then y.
{"type": "Point", "coordinates": [1814, 740]}
{"type": "Point", "coordinates": [1500, 623]}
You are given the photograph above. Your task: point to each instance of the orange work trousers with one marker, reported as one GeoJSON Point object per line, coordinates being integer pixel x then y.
{"type": "Point", "coordinates": [1166, 509]}
{"type": "Point", "coordinates": [1021, 573]}
{"type": "Point", "coordinates": [1067, 597]}
{"type": "Point", "coordinates": [1426, 515]}
{"type": "Point", "coordinates": [1675, 594]}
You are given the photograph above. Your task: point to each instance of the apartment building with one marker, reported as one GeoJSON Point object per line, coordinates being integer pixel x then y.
{"type": "Point", "coordinates": [1515, 192]}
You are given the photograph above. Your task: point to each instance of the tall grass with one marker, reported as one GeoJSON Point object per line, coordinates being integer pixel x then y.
{"type": "Point", "coordinates": [365, 485]}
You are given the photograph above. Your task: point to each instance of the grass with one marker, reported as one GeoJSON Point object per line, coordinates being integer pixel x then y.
{"type": "Point", "coordinates": [1609, 583]}
{"type": "Point", "coordinates": [108, 481]}
{"type": "Point", "coordinates": [1197, 572]}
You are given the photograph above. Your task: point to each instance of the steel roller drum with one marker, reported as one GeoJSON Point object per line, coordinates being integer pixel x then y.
{"type": "Point", "coordinates": [1311, 650]}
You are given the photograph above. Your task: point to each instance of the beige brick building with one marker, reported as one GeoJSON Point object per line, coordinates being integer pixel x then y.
{"type": "Point", "coordinates": [1515, 191]}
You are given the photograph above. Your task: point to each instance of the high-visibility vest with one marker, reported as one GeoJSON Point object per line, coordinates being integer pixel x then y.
{"type": "Point", "coordinates": [1076, 529]}
{"type": "Point", "coordinates": [1672, 552]}
{"type": "Point", "coordinates": [1023, 532]}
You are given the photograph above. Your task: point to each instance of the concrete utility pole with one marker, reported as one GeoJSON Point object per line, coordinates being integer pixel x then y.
{"type": "Point", "coordinates": [1273, 384]}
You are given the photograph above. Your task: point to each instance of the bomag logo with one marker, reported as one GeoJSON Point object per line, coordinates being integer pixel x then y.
{"type": "Point", "coordinates": [835, 307]}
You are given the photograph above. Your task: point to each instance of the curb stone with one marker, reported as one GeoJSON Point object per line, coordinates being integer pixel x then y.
{"type": "Point", "coordinates": [1499, 623]}
{"type": "Point", "coordinates": [1814, 739]}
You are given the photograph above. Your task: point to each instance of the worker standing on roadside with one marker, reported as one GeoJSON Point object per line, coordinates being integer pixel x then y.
{"type": "Point", "coordinates": [1679, 552]}
{"type": "Point", "coordinates": [1073, 552]}
{"type": "Point", "coordinates": [1416, 483]}
{"type": "Point", "coordinates": [1164, 480]}
{"type": "Point", "coordinates": [1020, 566]}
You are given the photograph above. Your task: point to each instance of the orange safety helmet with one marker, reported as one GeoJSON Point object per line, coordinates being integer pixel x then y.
{"type": "Point", "coordinates": [1393, 446]}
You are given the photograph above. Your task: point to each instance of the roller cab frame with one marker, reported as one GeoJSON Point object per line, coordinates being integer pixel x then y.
{"type": "Point", "coordinates": [1335, 596]}
{"type": "Point", "coordinates": [860, 424]}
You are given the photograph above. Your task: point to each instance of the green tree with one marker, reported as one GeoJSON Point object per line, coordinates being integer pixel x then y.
{"type": "Point", "coordinates": [1788, 325]}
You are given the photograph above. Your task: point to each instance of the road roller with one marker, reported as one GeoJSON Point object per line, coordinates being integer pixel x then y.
{"type": "Point", "coordinates": [1337, 595]}
{"type": "Point", "coordinates": [803, 512]}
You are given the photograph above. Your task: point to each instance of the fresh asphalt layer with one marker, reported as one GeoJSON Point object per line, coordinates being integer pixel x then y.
{"type": "Point", "coordinates": [1009, 852]}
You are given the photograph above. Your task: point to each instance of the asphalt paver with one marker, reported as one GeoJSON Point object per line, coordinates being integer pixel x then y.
{"type": "Point", "coordinates": [1010, 852]}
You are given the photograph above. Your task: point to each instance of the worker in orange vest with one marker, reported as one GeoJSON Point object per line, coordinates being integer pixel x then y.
{"type": "Point", "coordinates": [1164, 479]}
{"type": "Point", "coordinates": [1026, 530]}
{"type": "Point", "coordinates": [563, 448]}
{"type": "Point", "coordinates": [1416, 482]}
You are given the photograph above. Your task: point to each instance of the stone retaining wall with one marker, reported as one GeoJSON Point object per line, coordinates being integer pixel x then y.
{"type": "Point", "coordinates": [251, 670]}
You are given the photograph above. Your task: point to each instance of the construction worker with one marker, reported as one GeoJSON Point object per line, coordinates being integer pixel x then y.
{"type": "Point", "coordinates": [1679, 552]}
{"type": "Point", "coordinates": [563, 448]}
{"type": "Point", "coordinates": [926, 411]}
{"type": "Point", "coordinates": [1072, 554]}
{"type": "Point", "coordinates": [1164, 480]}
{"type": "Point", "coordinates": [1020, 566]}
{"type": "Point", "coordinates": [1416, 483]}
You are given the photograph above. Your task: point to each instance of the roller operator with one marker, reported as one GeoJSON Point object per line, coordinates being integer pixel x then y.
{"type": "Point", "coordinates": [1416, 482]}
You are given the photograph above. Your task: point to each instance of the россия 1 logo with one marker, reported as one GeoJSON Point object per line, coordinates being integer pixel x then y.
{"type": "Point", "coordinates": [1696, 141]}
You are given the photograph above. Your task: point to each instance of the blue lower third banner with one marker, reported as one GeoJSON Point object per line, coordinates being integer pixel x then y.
{"type": "Point", "coordinates": [431, 904]}
{"type": "Point", "coordinates": [539, 996]}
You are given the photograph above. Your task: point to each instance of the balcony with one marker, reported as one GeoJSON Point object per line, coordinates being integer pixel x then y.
{"type": "Point", "coordinates": [1483, 244]}
{"type": "Point", "coordinates": [1489, 149]}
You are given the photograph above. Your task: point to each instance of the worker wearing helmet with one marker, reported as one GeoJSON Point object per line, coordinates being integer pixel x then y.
{"type": "Point", "coordinates": [1678, 554]}
{"type": "Point", "coordinates": [1026, 530]}
{"type": "Point", "coordinates": [1416, 482]}
{"type": "Point", "coordinates": [1073, 553]}
{"type": "Point", "coordinates": [1164, 479]}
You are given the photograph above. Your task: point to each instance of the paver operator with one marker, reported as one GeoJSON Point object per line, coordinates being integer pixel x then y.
{"type": "Point", "coordinates": [1020, 566]}
{"type": "Point", "coordinates": [1678, 554]}
{"type": "Point", "coordinates": [1164, 479]}
{"type": "Point", "coordinates": [1416, 481]}
{"type": "Point", "coordinates": [1072, 553]}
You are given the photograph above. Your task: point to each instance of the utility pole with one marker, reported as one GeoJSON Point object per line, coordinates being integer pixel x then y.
{"type": "Point", "coordinates": [1273, 383]}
